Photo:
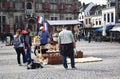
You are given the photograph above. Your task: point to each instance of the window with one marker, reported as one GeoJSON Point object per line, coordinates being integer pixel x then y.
{"type": "Point", "coordinates": [86, 21]}
{"type": "Point", "coordinates": [53, 6]}
{"type": "Point", "coordinates": [119, 4]}
{"type": "Point", "coordinates": [96, 22]}
{"type": "Point", "coordinates": [43, 0]}
{"type": "Point", "coordinates": [112, 17]}
{"type": "Point", "coordinates": [29, 6]}
{"type": "Point", "coordinates": [99, 21]}
{"type": "Point", "coordinates": [0, 5]}
{"type": "Point", "coordinates": [53, 18]}
{"type": "Point", "coordinates": [82, 17]}
{"type": "Point", "coordinates": [38, 6]}
{"type": "Point", "coordinates": [68, 18]}
{"type": "Point", "coordinates": [38, 1]}
{"type": "Point", "coordinates": [3, 3]}
{"type": "Point", "coordinates": [19, 5]}
{"type": "Point", "coordinates": [104, 17]}
{"type": "Point", "coordinates": [11, 3]}
{"type": "Point", "coordinates": [118, 18]}
{"type": "Point", "coordinates": [53, 1]}
{"type": "Point", "coordinates": [3, 19]}
{"type": "Point", "coordinates": [89, 20]}
{"type": "Point", "coordinates": [68, 7]}
{"type": "Point", "coordinates": [108, 17]}
{"type": "Point", "coordinates": [18, 19]}
{"type": "Point", "coordinates": [3, 29]}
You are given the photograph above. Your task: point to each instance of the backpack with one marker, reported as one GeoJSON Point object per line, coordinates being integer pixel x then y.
{"type": "Point", "coordinates": [16, 42]}
{"type": "Point", "coordinates": [26, 40]}
{"type": "Point", "coordinates": [33, 65]}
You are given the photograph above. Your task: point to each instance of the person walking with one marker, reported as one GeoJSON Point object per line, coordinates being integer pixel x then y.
{"type": "Point", "coordinates": [19, 48]}
{"type": "Point", "coordinates": [89, 37]}
{"type": "Point", "coordinates": [66, 44]}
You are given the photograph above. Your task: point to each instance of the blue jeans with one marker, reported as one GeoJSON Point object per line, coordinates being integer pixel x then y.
{"type": "Point", "coordinates": [65, 61]}
{"type": "Point", "coordinates": [28, 54]}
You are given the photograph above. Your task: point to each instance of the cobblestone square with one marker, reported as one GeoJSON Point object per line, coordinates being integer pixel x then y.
{"type": "Point", "coordinates": [108, 68]}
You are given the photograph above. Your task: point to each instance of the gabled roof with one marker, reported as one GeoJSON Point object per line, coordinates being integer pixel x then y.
{"type": "Point", "coordinates": [84, 7]}
{"type": "Point", "coordinates": [96, 8]}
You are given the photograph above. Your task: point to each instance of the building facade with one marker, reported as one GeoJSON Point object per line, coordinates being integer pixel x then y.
{"type": "Point", "coordinates": [117, 9]}
{"type": "Point", "coordinates": [16, 14]}
{"type": "Point", "coordinates": [108, 15]}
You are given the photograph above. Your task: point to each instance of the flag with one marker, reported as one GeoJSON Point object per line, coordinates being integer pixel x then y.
{"type": "Point", "coordinates": [45, 26]}
{"type": "Point", "coordinates": [40, 19]}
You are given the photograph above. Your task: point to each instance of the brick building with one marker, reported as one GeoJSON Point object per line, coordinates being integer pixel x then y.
{"type": "Point", "coordinates": [24, 13]}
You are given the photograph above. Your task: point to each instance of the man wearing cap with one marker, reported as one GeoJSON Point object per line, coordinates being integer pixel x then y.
{"type": "Point", "coordinates": [44, 37]}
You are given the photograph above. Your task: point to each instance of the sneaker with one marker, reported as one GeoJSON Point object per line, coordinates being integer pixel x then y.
{"type": "Point", "coordinates": [20, 64]}
{"type": "Point", "coordinates": [74, 68]}
{"type": "Point", "coordinates": [24, 64]}
{"type": "Point", "coordinates": [66, 68]}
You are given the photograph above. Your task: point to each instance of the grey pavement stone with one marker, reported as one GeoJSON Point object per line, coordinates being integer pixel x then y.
{"type": "Point", "coordinates": [107, 69]}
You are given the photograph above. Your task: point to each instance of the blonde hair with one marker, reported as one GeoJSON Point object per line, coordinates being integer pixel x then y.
{"type": "Point", "coordinates": [18, 32]}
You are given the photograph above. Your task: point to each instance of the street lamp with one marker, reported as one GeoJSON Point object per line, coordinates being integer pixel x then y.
{"type": "Point", "coordinates": [104, 29]}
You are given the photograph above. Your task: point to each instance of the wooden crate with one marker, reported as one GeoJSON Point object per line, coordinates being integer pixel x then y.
{"type": "Point", "coordinates": [55, 59]}
{"type": "Point", "coordinates": [45, 55]}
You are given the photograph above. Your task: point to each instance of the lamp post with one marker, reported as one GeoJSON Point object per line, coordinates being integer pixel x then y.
{"type": "Point", "coordinates": [104, 29]}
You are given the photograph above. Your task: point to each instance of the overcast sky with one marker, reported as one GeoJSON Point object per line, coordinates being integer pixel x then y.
{"type": "Point", "coordinates": [94, 1]}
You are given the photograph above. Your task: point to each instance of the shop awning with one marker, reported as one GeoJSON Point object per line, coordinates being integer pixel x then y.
{"type": "Point", "coordinates": [63, 22]}
{"type": "Point", "coordinates": [115, 29]}
{"type": "Point", "coordinates": [101, 28]}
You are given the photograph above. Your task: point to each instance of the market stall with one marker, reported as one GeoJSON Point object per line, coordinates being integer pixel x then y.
{"type": "Point", "coordinates": [115, 34]}
{"type": "Point", "coordinates": [53, 54]}
{"type": "Point", "coordinates": [56, 25]}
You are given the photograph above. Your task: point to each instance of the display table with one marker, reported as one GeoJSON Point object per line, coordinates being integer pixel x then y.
{"type": "Point", "coordinates": [56, 58]}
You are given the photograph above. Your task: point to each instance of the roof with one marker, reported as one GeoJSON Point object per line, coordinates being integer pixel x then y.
{"type": "Point", "coordinates": [84, 7]}
{"type": "Point", "coordinates": [63, 22]}
{"type": "Point", "coordinates": [115, 29]}
{"type": "Point", "coordinates": [111, 1]}
{"type": "Point", "coordinates": [96, 8]}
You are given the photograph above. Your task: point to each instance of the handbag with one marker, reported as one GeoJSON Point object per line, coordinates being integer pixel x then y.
{"type": "Point", "coordinates": [78, 53]}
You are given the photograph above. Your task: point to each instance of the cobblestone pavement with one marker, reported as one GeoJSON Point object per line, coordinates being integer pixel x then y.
{"type": "Point", "coordinates": [109, 68]}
